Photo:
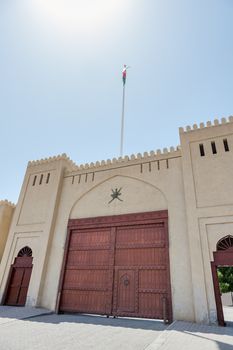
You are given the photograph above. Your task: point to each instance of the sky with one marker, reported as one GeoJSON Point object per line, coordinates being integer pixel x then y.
{"type": "Point", "coordinates": [61, 77]}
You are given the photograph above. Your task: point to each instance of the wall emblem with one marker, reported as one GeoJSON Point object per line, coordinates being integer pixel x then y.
{"type": "Point", "coordinates": [115, 195]}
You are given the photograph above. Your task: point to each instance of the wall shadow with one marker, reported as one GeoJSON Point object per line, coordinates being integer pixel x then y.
{"type": "Point", "coordinates": [123, 322]}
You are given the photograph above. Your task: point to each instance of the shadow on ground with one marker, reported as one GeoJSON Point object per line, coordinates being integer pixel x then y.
{"type": "Point", "coordinates": [102, 321]}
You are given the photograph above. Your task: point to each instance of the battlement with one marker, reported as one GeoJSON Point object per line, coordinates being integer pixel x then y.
{"type": "Point", "coordinates": [146, 156]}
{"type": "Point", "coordinates": [134, 158]}
{"type": "Point", "coordinates": [6, 202]}
{"type": "Point", "coordinates": [63, 156]}
{"type": "Point", "coordinates": [208, 124]}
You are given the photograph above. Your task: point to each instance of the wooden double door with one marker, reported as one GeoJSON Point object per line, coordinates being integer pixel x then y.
{"type": "Point", "coordinates": [117, 266]}
{"type": "Point", "coordinates": [18, 283]}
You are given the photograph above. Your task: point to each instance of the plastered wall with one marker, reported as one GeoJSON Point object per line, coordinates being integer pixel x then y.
{"type": "Point", "coordinates": [6, 213]}
{"type": "Point", "coordinates": [209, 203]}
{"type": "Point", "coordinates": [33, 221]}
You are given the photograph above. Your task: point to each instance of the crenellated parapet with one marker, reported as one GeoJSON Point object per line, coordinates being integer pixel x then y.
{"type": "Point", "coordinates": [208, 124]}
{"type": "Point", "coordinates": [8, 203]}
{"type": "Point", "coordinates": [134, 158]}
{"type": "Point", "coordinates": [138, 158]}
{"type": "Point", "coordinates": [63, 156]}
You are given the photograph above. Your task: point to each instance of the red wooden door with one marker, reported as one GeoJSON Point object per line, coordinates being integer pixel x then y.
{"type": "Point", "coordinates": [117, 265]}
{"type": "Point", "coordinates": [143, 251]}
{"type": "Point", "coordinates": [217, 294]}
{"type": "Point", "coordinates": [125, 285]}
{"type": "Point", "coordinates": [87, 285]}
{"type": "Point", "coordinates": [19, 281]}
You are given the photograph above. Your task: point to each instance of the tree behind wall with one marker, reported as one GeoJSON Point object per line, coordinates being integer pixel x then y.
{"type": "Point", "coordinates": [225, 278]}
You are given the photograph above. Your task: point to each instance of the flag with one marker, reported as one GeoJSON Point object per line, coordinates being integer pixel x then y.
{"type": "Point", "coordinates": [124, 72]}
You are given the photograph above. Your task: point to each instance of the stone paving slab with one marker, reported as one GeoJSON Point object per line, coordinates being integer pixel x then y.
{"type": "Point", "coordinates": [11, 313]}
{"type": "Point", "coordinates": [192, 336]}
{"type": "Point", "coordinates": [79, 332]}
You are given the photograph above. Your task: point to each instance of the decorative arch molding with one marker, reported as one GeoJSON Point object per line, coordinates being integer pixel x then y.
{"type": "Point", "coordinates": [130, 180]}
{"type": "Point", "coordinates": [225, 243]}
{"type": "Point", "coordinates": [25, 252]}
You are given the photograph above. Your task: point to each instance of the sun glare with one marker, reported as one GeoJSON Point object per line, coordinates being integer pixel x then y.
{"type": "Point", "coordinates": [79, 14]}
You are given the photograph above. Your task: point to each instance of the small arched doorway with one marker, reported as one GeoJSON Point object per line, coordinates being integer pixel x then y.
{"type": "Point", "coordinates": [19, 278]}
{"type": "Point", "coordinates": [223, 256]}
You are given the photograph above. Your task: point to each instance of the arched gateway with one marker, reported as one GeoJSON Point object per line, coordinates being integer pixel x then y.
{"type": "Point", "coordinates": [19, 278]}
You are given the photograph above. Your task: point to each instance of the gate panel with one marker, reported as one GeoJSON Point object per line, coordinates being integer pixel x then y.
{"type": "Point", "coordinates": [87, 284]}
{"type": "Point", "coordinates": [126, 291]}
{"type": "Point", "coordinates": [151, 305]}
{"type": "Point", "coordinates": [152, 290]}
{"type": "Point", "coordinates": [14, 286]}
{"type": "Point", "coordinates": [143, 249]}
{"type": "Point", "coordinates": [97, 257]}
{"type": "Point", "coordinates": [140, 257]}
{"type": "Point", "coordinates": [84, 301]}
{"type": "Point", "coordinates": [24, 286]}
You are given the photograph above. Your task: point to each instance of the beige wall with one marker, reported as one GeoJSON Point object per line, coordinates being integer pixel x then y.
{"type": "Point", "coordinates": [6, 213]}
{"type": "Point", "coordinates": [33, 221]}
{"type": "Point", "coordinates": [209, 205]}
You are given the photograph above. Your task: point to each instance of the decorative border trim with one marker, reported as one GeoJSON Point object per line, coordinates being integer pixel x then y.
{"type": "Point", "coordinates": [119, 220]}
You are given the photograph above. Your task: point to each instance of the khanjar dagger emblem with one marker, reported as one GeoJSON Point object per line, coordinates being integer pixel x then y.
{"type": "Point", "coordinates": [115, 195]}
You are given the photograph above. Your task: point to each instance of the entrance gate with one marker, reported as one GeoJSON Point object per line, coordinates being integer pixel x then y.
{"type": "Point", "coordinates": [222, 257]}
{"type": "Point", "coordinates": [19, 278]}
{"type": "Point", "coordinates": [118, 266]}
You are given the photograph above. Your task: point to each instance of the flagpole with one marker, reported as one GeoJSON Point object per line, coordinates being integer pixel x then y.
{"type": "Point", "coordinates": [122, 120]}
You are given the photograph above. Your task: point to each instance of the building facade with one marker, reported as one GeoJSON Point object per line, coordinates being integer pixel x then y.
{"type": "Point", "coordinates": [136, 236]}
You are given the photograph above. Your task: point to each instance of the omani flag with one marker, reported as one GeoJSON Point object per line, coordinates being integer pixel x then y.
{"type": "Point", "coordinates": [124, 72]}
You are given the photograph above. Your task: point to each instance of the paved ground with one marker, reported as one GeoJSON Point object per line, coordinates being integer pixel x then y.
{"type": "Point", "coordinates": [11, 314]}
{"type": "Point", "coordinates": [192, 336]}
{"type": "Point", "coordinates": [228, 315]}
{"type": "Point", "coordinates": [78, 332]}
{"type": "Point", "coordinates": [86, 332]}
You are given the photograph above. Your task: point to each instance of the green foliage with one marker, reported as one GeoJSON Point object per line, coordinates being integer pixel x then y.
{"type": "Point", "coordinates": [225, 277]}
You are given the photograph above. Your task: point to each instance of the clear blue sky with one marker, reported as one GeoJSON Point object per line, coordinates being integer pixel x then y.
{"type": "Point", "coordinates": [60, 76]}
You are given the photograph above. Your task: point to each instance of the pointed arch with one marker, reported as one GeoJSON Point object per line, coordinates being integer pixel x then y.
{"type": "Point", "coordinates": [159, 199]}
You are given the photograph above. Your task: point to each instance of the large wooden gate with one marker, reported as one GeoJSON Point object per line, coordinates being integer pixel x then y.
{"type": "Point", "coordinates": [117, 265]}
